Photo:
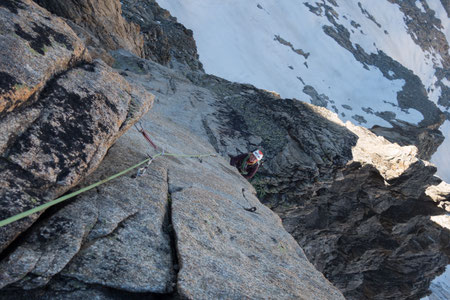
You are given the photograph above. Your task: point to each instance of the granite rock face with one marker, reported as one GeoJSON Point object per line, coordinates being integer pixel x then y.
{"type": "Point", "coordinates": [62, 137]}
{"type": "Point", "coordinates": [112, 236]}
{"type": "Point", "coordinates": [226, 251]}
{"type": "Point", "coordinates": [354, 201]}
{"type": "Point", "coordinates": [35, 46]}
{"type": "Point", "coordinates": [192, 227]}
{"type": "Point", "coordinates": [181, 230]}
{"type": "Point", "coordinates": [131, 237]}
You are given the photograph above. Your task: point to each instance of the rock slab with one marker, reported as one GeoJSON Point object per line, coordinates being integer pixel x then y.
{"type": "Point", "coordinates": [80, 114]}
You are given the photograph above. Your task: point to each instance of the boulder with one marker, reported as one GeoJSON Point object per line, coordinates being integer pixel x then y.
{"type": "Point", "coordinates": [35, 46]}
{"type": "Point", "coordinates": [76, 119]}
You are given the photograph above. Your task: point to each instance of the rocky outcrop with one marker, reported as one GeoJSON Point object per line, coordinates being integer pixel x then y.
{"type": "Point", "coordinates": [100, 24]}
{"type": "Point", "coordinates": [190, 228]}
{"type": "Point", "coordinates": [70, 119]}
{"type": "Point", "coordinates": [35, 47]}
{"type": "Point", "coordinates": [354, 201]}
{"type": "Point", "coordinates": [193, 227]}
{"type": "Point", "coordinates": [50, 145]}
{"type": "Point", "coordinates": [427, 140]}
{"type": "Point", "coordinates": [166, 41]}
{"type": "Point", "coordinates": [184, 229]}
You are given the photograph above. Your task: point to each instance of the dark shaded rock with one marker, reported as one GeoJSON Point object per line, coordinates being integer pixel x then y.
{"type": "Point", "coordinates": [349, 197]}
{"type": "Point", "coordinates": [32, 37]}
{"type": "Point", "coordinates": [427, 140]}
{"type": "Point", "coordinates": [62, 288]}
{"type": "Point", "coordinates": [166, 41]}
{"type": "Point", "coordinates": [316, 99]}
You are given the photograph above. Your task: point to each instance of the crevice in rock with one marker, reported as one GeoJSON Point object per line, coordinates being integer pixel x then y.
{"type": "Point", "coordinates": [211, 137]}
{"type": "Point", "coordinates": [62, 287]}
{"type": "Point", "coordinates": [169, 228]}
{"type": "Point", "coordinates": [121, 224]}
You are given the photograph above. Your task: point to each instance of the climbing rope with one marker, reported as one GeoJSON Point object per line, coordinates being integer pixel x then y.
{"type": "Point", "coordinates": [85, 189]}
{"type": "Point", "coordinates": [140, 172]}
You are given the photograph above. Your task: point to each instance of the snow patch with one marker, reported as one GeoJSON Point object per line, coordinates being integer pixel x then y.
{"type": "Point", "coordinates": [441, 157]}
{"type": "Point", "coordinates": [420, 6]}
{"type": "Point", "coordinates": [445, 82]}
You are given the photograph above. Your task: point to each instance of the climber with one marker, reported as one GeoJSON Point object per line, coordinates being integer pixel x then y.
{"type": "Point", "coordinates": [247, 163]}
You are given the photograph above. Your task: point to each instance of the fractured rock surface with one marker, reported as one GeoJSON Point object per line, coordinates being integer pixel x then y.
{"type": "Point", "coordinates": [183, 230]}
{"type": "Point", "coordinates": [185, 214]}
{"type": "Point", "coordinates": [80, 114]}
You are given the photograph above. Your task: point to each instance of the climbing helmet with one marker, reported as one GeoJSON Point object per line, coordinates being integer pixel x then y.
{"type": "Point", "coordinates": [258, 154]}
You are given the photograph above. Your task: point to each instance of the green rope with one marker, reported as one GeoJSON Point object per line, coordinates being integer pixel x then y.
{"type": "Point", "coordinates": [71, 195]}
{"type": "Point", "coordinates": [186, 155]}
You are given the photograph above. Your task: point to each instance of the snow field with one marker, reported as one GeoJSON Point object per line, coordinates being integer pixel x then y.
{"type": "Point", "coordinates": [235, 40]}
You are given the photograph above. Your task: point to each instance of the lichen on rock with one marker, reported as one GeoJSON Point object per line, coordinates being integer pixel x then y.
{"type": "Point", "coordinates": [30, 36]}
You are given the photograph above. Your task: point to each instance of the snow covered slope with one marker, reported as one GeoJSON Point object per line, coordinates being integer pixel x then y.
{"type": "Point", "coordinates": [369, 61]}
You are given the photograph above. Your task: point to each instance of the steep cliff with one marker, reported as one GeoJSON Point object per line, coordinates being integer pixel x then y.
{"type": "Point", "coordinates": [187, 229]}
{"type": "Point", "coordinates": [357, 204]}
